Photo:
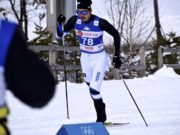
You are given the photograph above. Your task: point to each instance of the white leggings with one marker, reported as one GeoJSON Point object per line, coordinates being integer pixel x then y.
{"type": "Point", "coordinates": [94, 67]}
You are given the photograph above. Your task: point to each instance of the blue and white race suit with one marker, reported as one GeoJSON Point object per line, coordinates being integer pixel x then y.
{"type": "Point", "coordinates": [94, 60]}
{"type": "Point", "coordinates": [93, 57]}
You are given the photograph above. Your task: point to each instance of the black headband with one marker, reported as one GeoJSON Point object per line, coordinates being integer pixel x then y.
{"type": "Point", "coordinates": [84, 4]}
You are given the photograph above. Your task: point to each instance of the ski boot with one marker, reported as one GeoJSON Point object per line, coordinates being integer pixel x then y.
{"type": "Point", "coordinates": [100, 110]}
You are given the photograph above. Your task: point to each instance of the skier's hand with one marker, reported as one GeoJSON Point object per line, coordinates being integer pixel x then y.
{"type": "Point", "coordinates": [61, 19]}
{"type": "Point", "coordinates": [116, 62]}
{"type": "Point", "coordinates": [4, 111]}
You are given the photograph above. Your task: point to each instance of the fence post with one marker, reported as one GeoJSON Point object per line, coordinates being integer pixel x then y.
{"type": "Point", "coordinates": [160, 57]}
{"type": "Point", "coordinates": [52, 59]}
{"type": "Point", "coordinates": [142, 61]}
{"type": "Point", "coordinates": [116, 74]}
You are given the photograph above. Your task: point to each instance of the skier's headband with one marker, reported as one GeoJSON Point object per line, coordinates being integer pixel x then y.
{"type": "Point", "coordinates": [84, 6]}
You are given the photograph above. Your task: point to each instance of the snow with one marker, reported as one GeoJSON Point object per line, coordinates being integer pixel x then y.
{"type": "Point", "coordinates": [157, 96]}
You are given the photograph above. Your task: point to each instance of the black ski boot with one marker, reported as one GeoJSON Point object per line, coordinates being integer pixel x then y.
{"type": "Point", "coordinates": [100, 110]}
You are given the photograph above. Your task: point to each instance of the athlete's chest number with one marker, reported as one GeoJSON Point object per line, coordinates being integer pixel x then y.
{"type": "Point", "coordinates": [87, 41]}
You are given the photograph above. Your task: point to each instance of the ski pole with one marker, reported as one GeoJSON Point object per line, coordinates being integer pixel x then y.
{"type": "Point", "coordinates": [133, 100]}
{"type": "Point", "coordinates": [65, 73]}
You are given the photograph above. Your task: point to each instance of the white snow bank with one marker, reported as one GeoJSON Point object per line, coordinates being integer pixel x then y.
{"type": "Point", "coordinates": [165, 72]}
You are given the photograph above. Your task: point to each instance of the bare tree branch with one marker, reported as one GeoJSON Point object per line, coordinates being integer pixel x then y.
{"type": "Point", "coordinates": [13, 3]}
{"type": "Point", "coordinates": [18, 8]}
{"type": "Point", "coordinates": [130, 19]}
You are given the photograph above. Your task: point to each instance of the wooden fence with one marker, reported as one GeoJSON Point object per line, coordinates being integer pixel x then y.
{"type": "Point", "coordinates": [53, 56]}
{"type": "Point", "coordinates": [54, 49]}
{"type": "Point", "coordinates": [161, 51]}
{"type": "Point", "coordinates": [141, 67]}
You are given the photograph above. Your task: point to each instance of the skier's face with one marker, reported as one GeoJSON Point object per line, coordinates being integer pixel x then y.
{"type": "Point", "coordinates": [84, 14]}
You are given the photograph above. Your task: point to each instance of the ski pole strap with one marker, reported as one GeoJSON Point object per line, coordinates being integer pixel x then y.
{"type": "Point", "coordinates": [4, 111]}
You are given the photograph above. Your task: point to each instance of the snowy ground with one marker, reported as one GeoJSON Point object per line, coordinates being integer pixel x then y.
{"type": "Point", "coordinates": [158, 97]}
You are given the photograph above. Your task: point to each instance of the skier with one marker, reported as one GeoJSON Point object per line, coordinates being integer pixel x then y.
{"type": "Point", "coordinates": [89, 30]}
{"type": "Point", "coordinates": [22, 72]}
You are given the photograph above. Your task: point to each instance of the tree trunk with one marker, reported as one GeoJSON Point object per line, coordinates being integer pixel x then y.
{"type": "Point", "coordinates": [157, 22]}
{"type": "Point", "coordinates": [23, 17]}
{"type": "Point", "coordinates": [21, 14]}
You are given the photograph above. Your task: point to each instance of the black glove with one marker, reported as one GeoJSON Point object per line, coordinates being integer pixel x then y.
{"type": "Point", "coordinates": [116, 61]}
{"type": "Point", "coordinates": [61, 19]}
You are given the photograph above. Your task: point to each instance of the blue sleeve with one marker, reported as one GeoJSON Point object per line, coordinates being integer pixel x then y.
{"type": "Point", "coordinates": [7, 30]}
{"type": "Point", "coordinates": [59, 30]}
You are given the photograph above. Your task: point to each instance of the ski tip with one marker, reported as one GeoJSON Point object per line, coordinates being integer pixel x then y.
{"type": "Point", "coordinates": [116, 123]}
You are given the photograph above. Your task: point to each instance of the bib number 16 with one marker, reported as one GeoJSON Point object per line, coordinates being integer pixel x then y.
{"type": "Point", "coordinates": [87, 41]}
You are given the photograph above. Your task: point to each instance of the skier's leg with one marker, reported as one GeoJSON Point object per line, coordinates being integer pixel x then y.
{"type": "Point", "coordinates": [100, 66]}
{"type": "Point", "coordinates": [100, 108]}
{"type": "Point", "coordinates": [98, 101]}
{"type": "Point", "coordinates": [86, 68]}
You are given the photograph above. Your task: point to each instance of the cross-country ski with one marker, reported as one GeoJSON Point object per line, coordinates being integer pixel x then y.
{"type": "Point", "coordinates": [114, 124]}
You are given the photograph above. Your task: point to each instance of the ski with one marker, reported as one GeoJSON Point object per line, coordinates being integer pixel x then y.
{"type": "Point", "coordinates": [110, 124]}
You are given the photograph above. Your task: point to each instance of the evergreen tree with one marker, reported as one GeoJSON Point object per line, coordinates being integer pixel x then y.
{"type": "Point", "coordinates": [44, 37]}
{"type": "Point", "coordinates": [169, 41]}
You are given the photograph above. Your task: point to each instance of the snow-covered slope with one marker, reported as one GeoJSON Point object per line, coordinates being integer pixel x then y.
{"type": "Point", "coordinates": [156, 95]}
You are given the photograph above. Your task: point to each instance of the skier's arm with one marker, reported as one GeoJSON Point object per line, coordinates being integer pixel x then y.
{"type": "Point", "coordinates": [67, 27]}
{"type": "Point", "coordinates": [106, 26]}
{"type": "Point", "coordinates": [26, 75]}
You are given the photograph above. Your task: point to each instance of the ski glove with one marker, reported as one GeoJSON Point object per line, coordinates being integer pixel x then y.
{"type": "Point", "coordinates": [61, 19]}
{"type": "Point", "coordinates": [116, 61]}
{"type": "Point", "coordinates": [4, 111]}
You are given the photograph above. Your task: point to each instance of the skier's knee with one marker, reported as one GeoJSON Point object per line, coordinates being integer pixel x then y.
{"type": "Point", "coordinates": [88, 84]}
{"type": "Point", "coordinates": [95, 94]}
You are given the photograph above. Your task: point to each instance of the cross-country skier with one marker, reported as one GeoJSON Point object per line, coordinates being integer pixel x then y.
{"type": "Point", "coordinates": [89, 30]}
{"type": "Point", "coordinates": [22, 72]}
